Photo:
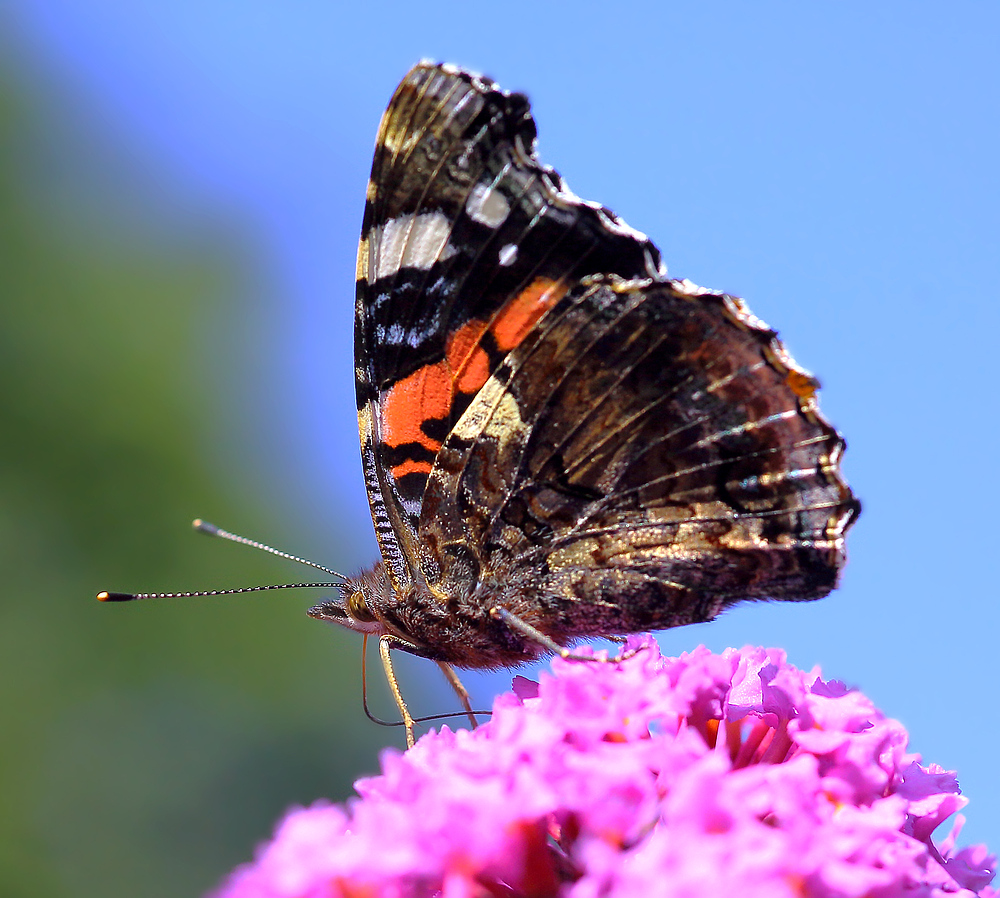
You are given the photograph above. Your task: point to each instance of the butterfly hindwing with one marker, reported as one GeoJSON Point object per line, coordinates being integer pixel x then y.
{"type": "Point", "coordinates": [649, 455]}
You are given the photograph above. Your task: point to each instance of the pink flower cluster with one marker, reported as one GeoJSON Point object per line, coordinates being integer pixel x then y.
{"type": "Point", "coordinates": [731, 774]}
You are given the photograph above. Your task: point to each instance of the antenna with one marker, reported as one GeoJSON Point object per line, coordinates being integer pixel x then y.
{"type": "Point", "coordinates": [211, 530]}
{"type": "Point", "coordinates": [134, 596]}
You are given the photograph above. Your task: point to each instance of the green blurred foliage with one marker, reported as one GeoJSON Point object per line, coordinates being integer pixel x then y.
{"type": "Point", "coordinates": [145, 748]}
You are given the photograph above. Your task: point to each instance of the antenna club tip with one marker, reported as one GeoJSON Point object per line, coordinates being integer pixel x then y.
{"type": "Point", "coordinates": [204, 526]}
{"type": "Point", "coordinates": [115, 597]}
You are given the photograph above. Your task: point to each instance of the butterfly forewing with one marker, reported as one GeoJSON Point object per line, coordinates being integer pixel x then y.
{"type": "Point", "coordinates": [467, 240]}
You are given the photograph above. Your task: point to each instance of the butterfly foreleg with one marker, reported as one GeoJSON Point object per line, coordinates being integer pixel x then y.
{"type": "Point", "coordinates": [535, 635]}
{"type": "Point", "coordinates": [385, 645]}
{"type": "Point", "coordinates": [460, 691]}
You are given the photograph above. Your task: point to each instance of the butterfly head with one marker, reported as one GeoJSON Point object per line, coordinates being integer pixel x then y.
{"type": "Point", "coordinates": [358, 596]}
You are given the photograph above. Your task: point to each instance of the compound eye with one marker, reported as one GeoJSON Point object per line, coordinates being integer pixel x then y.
{"type": "Point", "coordinates": [358, 608]}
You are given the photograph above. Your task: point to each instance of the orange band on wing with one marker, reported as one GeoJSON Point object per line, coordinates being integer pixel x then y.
{"type": "Point", "coordinates": [410, 466]}
{"type": "Point", "coordinates": [428, 394]}
{"type": "Point", "coordinates": [424, 395]}
{"type": "Point", "coordinates": [469, 363]}
{"type": "Point", "coordinates": [519, 316]}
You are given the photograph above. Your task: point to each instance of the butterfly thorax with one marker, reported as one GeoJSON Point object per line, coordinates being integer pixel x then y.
{"type": "Point", "coordinates": [428, 620]}
{"type": "Point", "coordinates": [453, 621]}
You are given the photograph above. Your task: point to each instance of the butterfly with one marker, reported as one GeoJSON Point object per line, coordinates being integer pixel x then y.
{"type": "Point", "coordinates": [559, 441]}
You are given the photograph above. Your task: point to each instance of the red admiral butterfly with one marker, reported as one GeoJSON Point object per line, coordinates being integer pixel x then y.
{"type": "Point", "coordinates": [559, 441]}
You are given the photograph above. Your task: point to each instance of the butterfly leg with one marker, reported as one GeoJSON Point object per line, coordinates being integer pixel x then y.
{"type": "Point", "coordinates": [536, 635]}
{"type": "Point", "coordinates": [460, 691]}
{"type": "Point", "coordinates": [385, 644]}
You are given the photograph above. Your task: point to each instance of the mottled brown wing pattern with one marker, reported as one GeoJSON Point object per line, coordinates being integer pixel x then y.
{"type": "Point", "coordinates": [467, 241]}
{"type": "Point", "coordinates": [555, 435]}
{"type": "Point", "coordinates": [648, 455]}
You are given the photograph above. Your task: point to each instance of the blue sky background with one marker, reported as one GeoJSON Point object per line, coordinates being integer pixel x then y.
{"type": "Point", "coordinates": [834, 164]}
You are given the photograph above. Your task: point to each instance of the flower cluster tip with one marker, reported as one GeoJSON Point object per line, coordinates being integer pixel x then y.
{"type": "Point", "coordinates": [706, 774]}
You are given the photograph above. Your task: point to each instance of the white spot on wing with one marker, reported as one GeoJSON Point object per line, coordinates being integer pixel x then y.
{"type": "Point", "coordinates": [508, 254]}
{"type": "Point", "coordinates": [487, 206]}
{"type": "Point", "coordinates": [409, 241]}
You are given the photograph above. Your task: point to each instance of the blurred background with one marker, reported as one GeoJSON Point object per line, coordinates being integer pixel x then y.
{"type": "Point", "coordinates": [181, 188]}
